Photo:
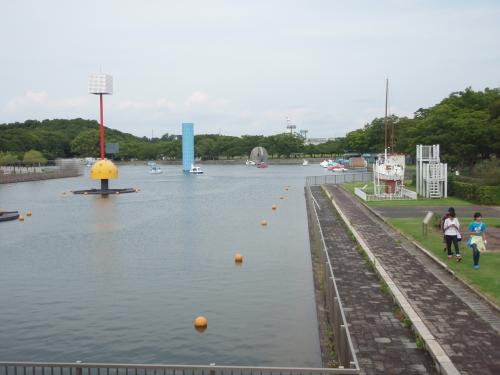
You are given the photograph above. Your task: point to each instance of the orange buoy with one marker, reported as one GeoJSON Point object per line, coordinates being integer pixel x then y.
{"type": "Point", "coordinates": [201, 323]}
{"type": "Point", "coordinates": [274, 207]}
{"type": "Point", "coordinates": [21, 218]}
{"type": "Point", "coordinates": [28, 213]}
{"type": "Point", "coordinates": [263, 222]}
{"type": "Point", "coordinates": [238, 258]}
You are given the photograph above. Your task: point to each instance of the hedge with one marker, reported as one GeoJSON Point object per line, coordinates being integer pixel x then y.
{"type": "Point", "coordinates": [480, 194]}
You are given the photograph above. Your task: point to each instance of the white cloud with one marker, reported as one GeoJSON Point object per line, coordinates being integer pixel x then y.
{"type": "Point", "coordinates": [40, 100]}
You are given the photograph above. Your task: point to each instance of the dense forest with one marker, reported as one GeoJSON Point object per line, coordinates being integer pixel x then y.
{"type": "Point", "coordinates": [466, 124]}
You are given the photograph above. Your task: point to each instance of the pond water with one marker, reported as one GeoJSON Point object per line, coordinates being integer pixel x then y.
{"type": "Point", "coordinates": [122, 279]}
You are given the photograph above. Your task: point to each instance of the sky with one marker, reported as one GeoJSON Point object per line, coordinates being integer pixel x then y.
{"type": "Point", "coordinates": [242, 67]}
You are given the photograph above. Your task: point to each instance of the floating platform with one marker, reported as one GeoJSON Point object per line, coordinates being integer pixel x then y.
{"type": "Point", "coordinates": [105, 191]}
{"type": "Point", "coordinates": [9, 215]}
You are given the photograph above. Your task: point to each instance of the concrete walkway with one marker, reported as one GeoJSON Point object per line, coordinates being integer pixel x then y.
{"type": "Point", "coordinates": [383, 344]}
{"type": "Point", "coordinates": [449, 311]}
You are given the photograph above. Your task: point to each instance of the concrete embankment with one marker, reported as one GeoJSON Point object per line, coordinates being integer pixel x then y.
{"type": "Point", "coordinates": [25, 177]}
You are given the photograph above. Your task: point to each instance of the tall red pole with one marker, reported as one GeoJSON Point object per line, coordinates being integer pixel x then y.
{"type": "Point", "coordinates": [102, 128]}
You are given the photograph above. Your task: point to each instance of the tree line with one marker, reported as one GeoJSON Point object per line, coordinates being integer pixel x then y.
{"type": "Point", "coordinates": [466, 124]}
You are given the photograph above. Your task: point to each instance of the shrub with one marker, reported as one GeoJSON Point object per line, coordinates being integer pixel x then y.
{"type": "Point", "coordinates": [475, 193]}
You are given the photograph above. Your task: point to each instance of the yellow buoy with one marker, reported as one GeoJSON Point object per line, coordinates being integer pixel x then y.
{"type": "Point", "coordinates": [21, 218]}
{"type": "Point", "coordinates": [103, 169]}
{"type": "Point", "coordinates": [238, 258]}
{"type": "Point", "coordinates": [201, 322]}
{"type": "Point", "coordinates": [28, 213]}
{"type": "Point", "coordinates": [263, 222]}
{"type": "Point", "coordinates": [274, 207]}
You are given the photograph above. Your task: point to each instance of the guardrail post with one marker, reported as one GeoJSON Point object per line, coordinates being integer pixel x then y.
{"type": "Point", "coordinates": [78, 369]}
{"type": "Point", "coordinates": [212, 371]}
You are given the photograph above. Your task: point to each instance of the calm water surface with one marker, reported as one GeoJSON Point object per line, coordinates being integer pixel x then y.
{"type": "Point", "coordinates": [121, 279]}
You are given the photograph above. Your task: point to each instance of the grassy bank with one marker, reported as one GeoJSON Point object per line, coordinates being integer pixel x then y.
{"type": "Point", "coordinates": [486, 279]}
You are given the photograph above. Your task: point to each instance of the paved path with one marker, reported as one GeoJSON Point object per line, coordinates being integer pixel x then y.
{"type": "Point", "coordinates": [383, 344]}
{"type": "Point", "coordinates": [447, 309]}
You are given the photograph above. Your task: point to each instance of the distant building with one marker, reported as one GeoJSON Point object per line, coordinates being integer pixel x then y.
{"type": "Point", "coordinates": [317, 141]}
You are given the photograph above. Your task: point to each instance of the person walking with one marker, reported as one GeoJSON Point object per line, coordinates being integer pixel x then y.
{"type": "Point", "coordinates": [451, 228]}
{"type": "Point", "coordinates": [477, 240]}
{"type": "Point", "coordinates": [441, 225]}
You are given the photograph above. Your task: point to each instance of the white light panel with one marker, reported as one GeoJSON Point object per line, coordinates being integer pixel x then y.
{"type": "Point", "coordinates": [100, 84]}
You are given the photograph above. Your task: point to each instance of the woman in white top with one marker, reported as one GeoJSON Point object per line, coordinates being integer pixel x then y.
{"type": "Point", "coordinates": [451, 228]}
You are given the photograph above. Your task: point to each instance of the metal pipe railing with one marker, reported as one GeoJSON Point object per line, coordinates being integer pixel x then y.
{"type": "Point", "coordinates": [79, 368]}
{"type": "Point", "coordinates": [335, 311]}
{"type": "Point", "coordinates": [339, 178]}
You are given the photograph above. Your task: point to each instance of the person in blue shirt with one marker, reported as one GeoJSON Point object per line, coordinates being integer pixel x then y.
{"type": "Point", "coordinates": [477, 240]}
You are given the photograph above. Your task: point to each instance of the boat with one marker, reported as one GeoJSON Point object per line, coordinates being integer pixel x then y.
{"type": "Point", "coordinates": [249, 162]}
{"type": "Point", "coordinates": [9, 215]}
{"type": "Point", "coordinates": [262, 165]}
{"type": "Point", "coordinates": [155, 170]}
{"type": "Point", "coordinates": [195, 170]}
{"type": "Point", "coordinates": [327, 163]}
{"type": "Point", "coordinates": [389, 168]}
{"type": "Point", "coordinates": [151, 163]}
{"type": "Point", "coordinates": [337, 168]}
{"type": "Point", "coordinates": [305, 163]}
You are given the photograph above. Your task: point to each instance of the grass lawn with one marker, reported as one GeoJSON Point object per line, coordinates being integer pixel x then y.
{"type": "Point", "coordinates": [486, 279]}
{"type": "Point", "coordinates": [449, 202]}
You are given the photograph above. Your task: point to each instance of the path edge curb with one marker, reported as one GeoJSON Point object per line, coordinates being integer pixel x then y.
{"type": "Point", "coordinates": [443, 362]}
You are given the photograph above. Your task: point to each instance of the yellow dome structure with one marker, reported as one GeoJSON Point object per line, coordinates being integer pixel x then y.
{"type": "Point", "coordinates": [104, 170]}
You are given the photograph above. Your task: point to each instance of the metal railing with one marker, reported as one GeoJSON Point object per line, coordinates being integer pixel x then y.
{"type": "Point", "coordinates": [339, 178]}
{"type": "Point", "coordinates": [334, 308]}
{"type": "Point", "coordinates": [78, 368]}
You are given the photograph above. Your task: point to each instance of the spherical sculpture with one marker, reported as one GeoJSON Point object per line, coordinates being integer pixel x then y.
{"type": "Point", "coordinates": [104, 170]}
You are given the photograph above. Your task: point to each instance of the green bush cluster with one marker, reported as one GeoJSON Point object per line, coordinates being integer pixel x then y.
{"type": "Point", "coordinates": [475, 193]}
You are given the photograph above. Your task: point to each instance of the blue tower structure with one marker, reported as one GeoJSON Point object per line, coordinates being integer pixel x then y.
{"type": "Point", "coordinates": [187, 145]}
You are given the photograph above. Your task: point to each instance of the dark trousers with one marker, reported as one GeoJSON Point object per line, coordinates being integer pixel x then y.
{"type": "Point", "coordinates": [475, 254]}
{"type": "Point", "coordinates": [449, 240]}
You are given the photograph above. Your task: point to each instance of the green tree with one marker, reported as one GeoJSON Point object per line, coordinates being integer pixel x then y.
{"type": "Point", "coordinates": [8, 158]}
{"type": "Point", "coordinates": [34, 157]}
{"type": "Point", "coordinates": [86, 144]}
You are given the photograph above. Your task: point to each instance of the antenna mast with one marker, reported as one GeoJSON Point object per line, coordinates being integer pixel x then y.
{"type": "Point", "coordinates": [385, 118]}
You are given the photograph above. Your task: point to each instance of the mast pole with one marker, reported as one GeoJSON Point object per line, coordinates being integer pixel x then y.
{"type": "Point", "coordinates": [385, 118]}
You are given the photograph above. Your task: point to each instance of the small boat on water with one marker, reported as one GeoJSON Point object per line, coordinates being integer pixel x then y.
{"type": "Point", "coordinates": [195, 170]}
{"type": "Point", "coordinates": [9, 215]}
{"type": "Point", "coordinates": [262, 165]}
{"type": "Point", "coordinates": [305, 163]}
{"type": "Point", "coordinates": [249, 162]}
{"type": "Point", "coordinates": [155, 170]}
{"type": "Point", "coordinates": [337, 168]}
{"type": "Point", "coordinates": [151, 163]}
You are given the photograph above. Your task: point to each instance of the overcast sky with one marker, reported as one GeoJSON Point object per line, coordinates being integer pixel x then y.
{"type": "Point", "coordinates": [241, 67]}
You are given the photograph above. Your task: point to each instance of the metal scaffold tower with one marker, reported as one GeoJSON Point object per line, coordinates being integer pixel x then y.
{"type": "Point", "coordinates": [432, 175]}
